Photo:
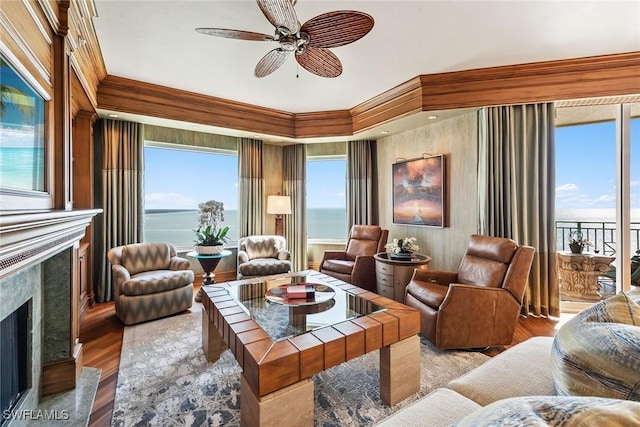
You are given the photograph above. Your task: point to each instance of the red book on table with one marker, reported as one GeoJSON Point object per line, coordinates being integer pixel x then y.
{"type": "Point", "coordinates": [300, 292]}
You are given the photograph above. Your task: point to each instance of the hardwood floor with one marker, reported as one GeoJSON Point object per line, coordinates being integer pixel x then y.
{"type": "Point", "coordinates": [101, 334]}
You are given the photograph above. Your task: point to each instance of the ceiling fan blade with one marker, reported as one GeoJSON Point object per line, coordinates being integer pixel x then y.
{"type": "Point", "coordinates": [321, 62]}
{"type": "Point", "coordinates": [337, 28]}
{"type": "Point", "coordinates": [235, 34]}
{"type": "Point", "coordinates": [280, 13]}
{"type": "Point", "coordinates": [270, 62]}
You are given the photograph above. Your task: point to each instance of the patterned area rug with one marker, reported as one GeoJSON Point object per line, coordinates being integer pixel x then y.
{"type": "Point", "coordinates": [165, 380]}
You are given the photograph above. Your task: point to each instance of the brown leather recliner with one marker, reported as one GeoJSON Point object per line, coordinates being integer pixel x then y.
{"type": "Point", "coordinates": [479, 305]}
{"type": "Point", "coordinates": [356, 265]}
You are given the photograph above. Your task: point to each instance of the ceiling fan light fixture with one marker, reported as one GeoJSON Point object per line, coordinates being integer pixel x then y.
{"type": "Point", "coordinates": [288, 43]}
{"type": "Point", "coordinates": [310, 41]}
{"type": "Point", "coordinates": [283, 32]}
{"type": "Point", "coordinates": [288, 46]}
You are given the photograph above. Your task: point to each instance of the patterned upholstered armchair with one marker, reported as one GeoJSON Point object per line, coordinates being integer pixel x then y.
{"type": "Point", "coordinates": [149, 281]}
{"type": "Point", "coordinates": [262, 256]}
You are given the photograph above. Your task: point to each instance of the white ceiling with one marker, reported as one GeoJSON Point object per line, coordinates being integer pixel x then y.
{"type": "Point", "coordinates": [155, 41]}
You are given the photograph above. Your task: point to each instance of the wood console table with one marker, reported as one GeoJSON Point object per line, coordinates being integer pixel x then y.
{"type": "Point", "coordinates": [393, 276]}
{"type": "Point", "coordinates": [579, 274]}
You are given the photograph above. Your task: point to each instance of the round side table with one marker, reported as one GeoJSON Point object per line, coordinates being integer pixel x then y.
{"type": "Point", "coordinates": [393, 275]}
{"type": "Point", "coordinates": [209, 264]}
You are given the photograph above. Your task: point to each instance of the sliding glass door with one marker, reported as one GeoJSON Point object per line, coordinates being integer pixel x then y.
{"type": "Point", "coordinates": [597, 200]}
{"type": "Point", "coordinates": [634, 191]}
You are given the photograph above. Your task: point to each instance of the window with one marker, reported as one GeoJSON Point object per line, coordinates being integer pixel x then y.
{"type": "Point", "coordinates": [176, 179]}
{"type": "Point", "coordinates": [326, 198]}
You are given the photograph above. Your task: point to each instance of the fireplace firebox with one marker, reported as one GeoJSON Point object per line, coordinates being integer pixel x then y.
{"type": "Point", "coordinates": [14, 358]}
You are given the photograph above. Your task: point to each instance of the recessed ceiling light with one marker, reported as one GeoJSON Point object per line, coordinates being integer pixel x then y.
{"type": "Point", "coordinates": [385, 132]}
{"type": "Point", "coordinates": [113, 115]}
{"type": "Point", "coordinates": [432, 117]}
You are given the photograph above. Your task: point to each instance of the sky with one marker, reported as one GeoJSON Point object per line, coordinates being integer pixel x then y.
{"type": "Point", "coordinates": [180, 179]}
{"type": "Point", "coordinates": [205, 176]}
{"type": "Point", "coordinates": [326, 185]}
{"type": "Point", "coordinates": [586, 166]}
{"type": "Point", "coordinates": [585, 173]}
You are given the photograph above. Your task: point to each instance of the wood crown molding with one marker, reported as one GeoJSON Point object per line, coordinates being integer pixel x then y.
{"type": "Point", "coordinates": [597, 76]}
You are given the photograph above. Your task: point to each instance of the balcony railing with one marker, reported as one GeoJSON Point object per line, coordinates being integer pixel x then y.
{"type": "Point", "coordinates": [602, 235]}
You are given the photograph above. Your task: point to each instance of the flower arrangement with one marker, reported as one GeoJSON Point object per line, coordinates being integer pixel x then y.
{"type": "Point", "coordinates": [406, 245]}
{"type": "Point", "coordinates": [577, 242]}
{"type": "Point", "coordinates": [208, 233]}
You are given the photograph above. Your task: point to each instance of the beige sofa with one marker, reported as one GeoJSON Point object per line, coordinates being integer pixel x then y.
{"type": "Point", "coordinates": [588, 374]}
{"type": "Point", "coordinates": [522, 370]}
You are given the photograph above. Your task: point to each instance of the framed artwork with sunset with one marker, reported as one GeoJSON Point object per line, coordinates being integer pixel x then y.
{"type": "Point", "coordinates": [418, 191]}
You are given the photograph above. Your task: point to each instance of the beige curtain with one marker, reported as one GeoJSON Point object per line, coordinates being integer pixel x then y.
{"type": "Point", "coordinates": [517, 192]}
{"type": "Point", "coordinates": [360, 183]}
{"type": "Point", "coordinates": [122, 195]}
{"type": "Point", "coordinates": [294, 174]}
{"type": "Point", "coordinates": [251, 187]}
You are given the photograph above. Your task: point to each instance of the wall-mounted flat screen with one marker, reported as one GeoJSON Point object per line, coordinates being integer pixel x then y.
{"type": "Point", "coordinates": [22, 145]}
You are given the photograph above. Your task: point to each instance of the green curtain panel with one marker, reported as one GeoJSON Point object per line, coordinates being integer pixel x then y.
{"type": "Point", "coordinates": [251, 210]}
{"type": "Point", "coordinates": [360, 183]}
{"type": "Point", "coordinates": [294, 175]}
{"type": "Point", "coordinates": [121, 195]}
{"type": "Point", "coordinates": [517, 191]}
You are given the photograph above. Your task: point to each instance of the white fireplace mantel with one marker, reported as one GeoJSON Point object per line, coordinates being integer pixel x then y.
{"type": "Point", "coordinates": [27, 238]}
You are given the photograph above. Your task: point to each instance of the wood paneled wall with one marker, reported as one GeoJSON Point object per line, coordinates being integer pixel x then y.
{"type": "Point", "coordinates": [51, 43]}
{"type": "Point", "coordinates": [53, 46]}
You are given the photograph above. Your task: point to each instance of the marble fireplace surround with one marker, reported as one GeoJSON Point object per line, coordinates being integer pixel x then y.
{"type": "Point", "coordinates": [35, 267]}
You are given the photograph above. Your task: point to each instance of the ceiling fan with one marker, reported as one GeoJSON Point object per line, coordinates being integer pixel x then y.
{"type": "Point", "coordinates": [309, 42]}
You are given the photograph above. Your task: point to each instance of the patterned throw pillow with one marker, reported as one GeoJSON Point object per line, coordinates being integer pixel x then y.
{"type": "Point", "coordinates": [597, 353]}
{"type": "Point", "coordinates": [566, 411]}
{"type": "Point", "coordinates": [262, 247]}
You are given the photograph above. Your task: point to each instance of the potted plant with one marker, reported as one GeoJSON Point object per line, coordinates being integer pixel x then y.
{"type": "Point", "coordinates": [577, 242]}
{"type": "Point", "coordinates": [210, 239]}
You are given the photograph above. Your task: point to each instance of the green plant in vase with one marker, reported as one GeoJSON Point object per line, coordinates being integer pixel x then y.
{"type": "Point", "coordinates": [210, 239]}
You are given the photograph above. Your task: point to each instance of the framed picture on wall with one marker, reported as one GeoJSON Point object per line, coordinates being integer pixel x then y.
{"type": "Point", "coordinates": [418, 191]}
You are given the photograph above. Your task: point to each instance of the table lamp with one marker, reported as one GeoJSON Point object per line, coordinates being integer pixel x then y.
{"type": "Point", "coordinates": [278, 206]}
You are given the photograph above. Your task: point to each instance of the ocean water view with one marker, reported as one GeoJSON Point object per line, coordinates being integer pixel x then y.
{"type": "Point", "coordinates": [594, 214]}
{"type": "Point", "coordinates": [598, 227]}
{"type": "Point", "coordinates": [176, 226]}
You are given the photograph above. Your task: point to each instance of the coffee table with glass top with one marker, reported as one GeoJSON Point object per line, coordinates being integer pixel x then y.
{"type": "Point", "coordinates": [280, 344]}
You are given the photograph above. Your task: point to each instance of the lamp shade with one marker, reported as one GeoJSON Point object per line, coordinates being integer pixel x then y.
{"type": "Point", "coordinates": [278, 205]}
